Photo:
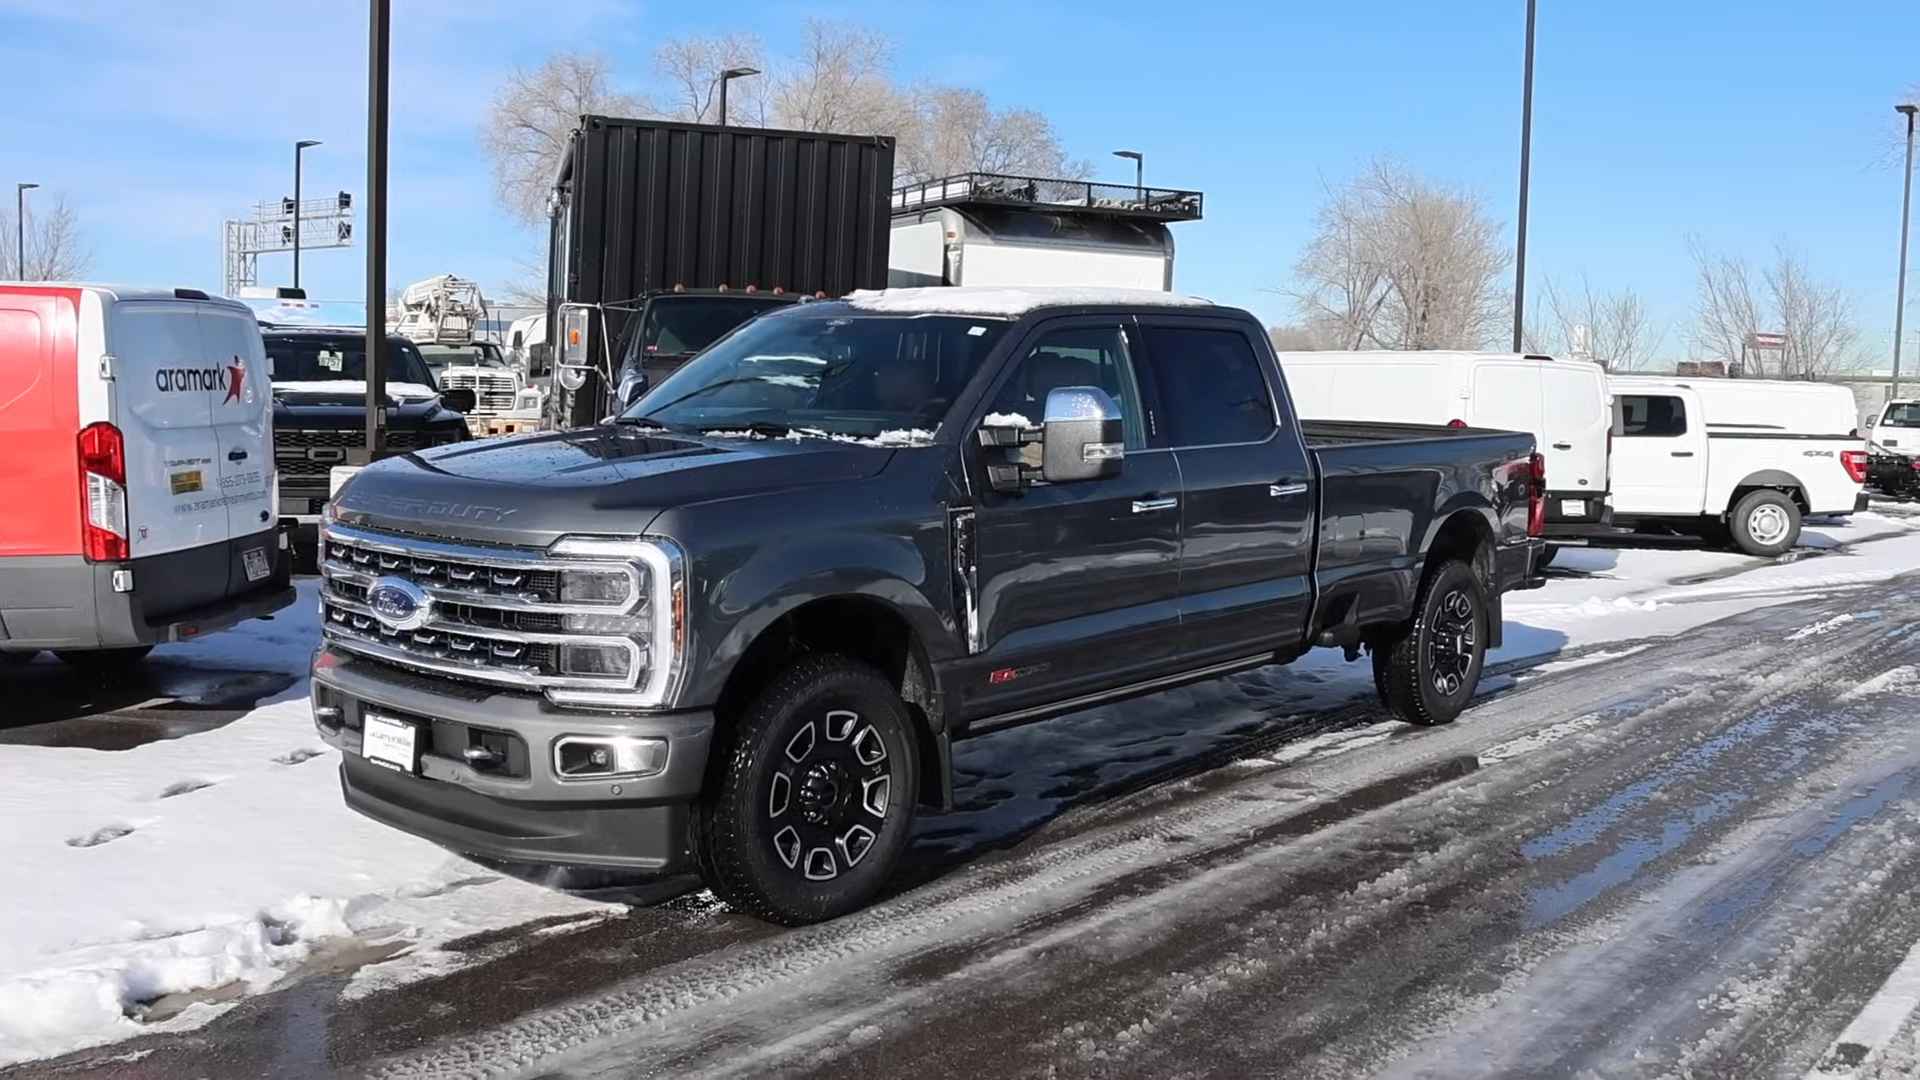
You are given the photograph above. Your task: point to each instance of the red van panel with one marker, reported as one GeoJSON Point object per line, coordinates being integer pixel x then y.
{"type": "Point", "coordinates": [39, 421]}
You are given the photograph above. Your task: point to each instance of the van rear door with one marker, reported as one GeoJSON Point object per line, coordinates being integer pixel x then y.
{"type": "Point", "coordinates": [243, 425]}
{"type": "Point", "coordinates": [165, 386]}
{"type": "Point", "coordinates": [1575, 418]}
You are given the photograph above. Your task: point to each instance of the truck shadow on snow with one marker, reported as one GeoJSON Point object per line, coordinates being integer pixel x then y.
{"type": "Point", "coordinates": [166, 697]}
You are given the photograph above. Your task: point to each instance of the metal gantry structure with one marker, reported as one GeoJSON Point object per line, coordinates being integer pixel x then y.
{"type": "Point", "coordinates": [324, 223]}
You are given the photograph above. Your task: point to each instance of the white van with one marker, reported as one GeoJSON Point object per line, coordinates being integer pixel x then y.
{"type": "Point", "coordinates": [136, 429]}
{"type": "Point", "coordinates": [1747, 456]}
{"type": "Point", "coordinates": [1562, 403]}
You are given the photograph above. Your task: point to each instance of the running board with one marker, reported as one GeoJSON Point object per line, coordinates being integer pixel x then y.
{"type": "Point", "coordinates": [1088, 701]}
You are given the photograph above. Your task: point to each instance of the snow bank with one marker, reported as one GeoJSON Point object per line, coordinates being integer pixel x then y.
{"type": "Point", "coordinates": [1008, 302]}
{"type": "Point", "coordinates": [218, 860]}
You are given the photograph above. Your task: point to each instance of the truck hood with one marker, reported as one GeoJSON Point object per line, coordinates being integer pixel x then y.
{"type": "Point", "coordinates": [347, 392]}
{"type": "Point", "coordinates": [609, 480]}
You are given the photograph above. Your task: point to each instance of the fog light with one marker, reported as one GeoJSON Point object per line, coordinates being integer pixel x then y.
{"type": "Point", "coordinates": [588, 587]}
{"type": "Point", "coordinates": [582, 757]}
{"type": "Point", "coordinates": [603, 660]}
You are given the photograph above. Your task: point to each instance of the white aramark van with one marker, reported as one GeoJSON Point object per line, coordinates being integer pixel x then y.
{"type": "Point", "coordinates": [1743, 458]}
{"type": "Point", "coordinates": [136, 434]}
{"type": "Point", "coordinates": [1562, 403]}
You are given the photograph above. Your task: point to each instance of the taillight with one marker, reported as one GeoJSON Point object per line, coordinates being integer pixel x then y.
{"type": "Point", "coordinates": [1456, 423]}
{"type": "Point", "coordinates": [103, 488]}
{"type": "Point", "coordinates": [1537, 496]}
{"type": "Point", "coordinates": [1855, 462]}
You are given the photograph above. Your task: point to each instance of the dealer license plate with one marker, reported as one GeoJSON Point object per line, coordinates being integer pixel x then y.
{"type": "Point", "coordinates": [1573, 507]}
{"type": "Point", "coordinates": [388, 742]}
{"type": "Point", "coordinates": [255, 560]}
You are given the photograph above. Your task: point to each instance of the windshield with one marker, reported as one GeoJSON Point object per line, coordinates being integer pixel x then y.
{"type": "Point", "coordinates": [1905, 414]}
{"type": "Point", "coordinates": [341, 359]}
{"type": "Point", "coordinates": [683, 325]}
{"type": "Point", "coordinates": [834, 374]}
{"type": "Point", "coordinates": [440, 357]}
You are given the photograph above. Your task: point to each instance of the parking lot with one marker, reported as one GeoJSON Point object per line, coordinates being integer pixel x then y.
{"type": "Point", "coordinates": [1675, 745]}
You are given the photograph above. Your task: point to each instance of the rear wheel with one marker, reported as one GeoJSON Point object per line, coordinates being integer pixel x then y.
{"type": "Point", "coordinates": [1765, 523]}
{"type": "Point", "coordinates": [105, 661]}
{"type": "Point", "coordinates": [813, 795]}
{"type": "Point", "coordinates": [1427, 674]}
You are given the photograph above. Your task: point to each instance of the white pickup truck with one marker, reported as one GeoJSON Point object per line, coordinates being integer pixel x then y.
{"type": "Point", "coordinates": [1739, 459]}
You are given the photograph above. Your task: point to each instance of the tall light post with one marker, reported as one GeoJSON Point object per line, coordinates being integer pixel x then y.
{"type": "Point", "coordinates": [726, 77]}
{"type": "Point", "coordinates": [1139, 172]}
{"type": "Point", "coordinates": [297, 148]}
{"type": "Point", "coordinates": [1906, 213]}
{"type": "Point", "coordinates": [1526, 160]}
{"type": "Point", "coordinates": [20, 226]}
{"type": "Point", "coordinates": [379, 73]}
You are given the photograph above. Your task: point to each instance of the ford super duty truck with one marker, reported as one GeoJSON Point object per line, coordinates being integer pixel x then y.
{"type": "Point", "coordinates": [738, 629]}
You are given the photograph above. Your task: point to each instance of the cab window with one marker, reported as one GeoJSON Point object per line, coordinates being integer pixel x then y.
{"type": "Point", "coordinates": [1077, 356]}
{"type": "Point", "coordinates": [1652, 416]}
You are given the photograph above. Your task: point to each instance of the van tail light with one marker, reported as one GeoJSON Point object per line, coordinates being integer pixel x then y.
{"type": "Point", "coordinates": [1855, 462]}
{"type": "Point", "coordinates": [103, 488]}
{"type": "Point", "coordinates": [1537, 496]}
{"type": "Point", "coordinates": [1456, 423]}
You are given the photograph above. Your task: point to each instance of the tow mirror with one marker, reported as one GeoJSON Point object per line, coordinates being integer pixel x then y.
{"type": "Point", "coordinates": [460, 399]}
{"type": "Point", "coordinates": [1083, 438]}
{"type": "Point", "coordinates": [573, 363]}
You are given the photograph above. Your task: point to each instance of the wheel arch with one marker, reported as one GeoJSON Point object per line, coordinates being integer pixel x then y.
{"type": "Point", "coordinates": [1466, 535]}
{"type": "Point", "coordinates": [1778, 479]}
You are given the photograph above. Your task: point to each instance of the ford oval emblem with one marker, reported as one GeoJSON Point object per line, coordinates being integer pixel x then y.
{"type": "Point", "coordinates": [399, 603]}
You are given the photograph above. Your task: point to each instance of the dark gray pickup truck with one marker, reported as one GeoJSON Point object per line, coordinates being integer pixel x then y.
{"type": "Point", "coordinates": [738, 629]}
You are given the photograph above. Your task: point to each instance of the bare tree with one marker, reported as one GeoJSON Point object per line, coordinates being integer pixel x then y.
{"type": "Point", "coordinates": [1816, 319]}
{"type": "Point", "coordinates": [690, 68]}
{"type": "Point", "coordinates": [958, 130]}
{"type": "Point", "coordinates": [531, 116]}
{"type": "Point", "coordinates": [1400, 262]}
{"type": "Point", "coordinates": [1610, 329]}
{"type": "Point", "coordinates": [840, 81]}
{"type": "Point", "coordinates": [1301, 337]}
{"type": "Point", "coordinates": [56, 251]}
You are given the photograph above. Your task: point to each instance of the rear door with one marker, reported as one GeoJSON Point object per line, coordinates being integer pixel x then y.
{"type": "Point", "coordinates": [1247, 522]}
{"type": "Point", "coordinates": [1575, 418]}
{"type": "Point", "coordinates": [1506, 396]}
{"type": "Point", "coordinates": [242, 418]}
{"type": "Point", "coordinates": [1659, 453]}
{"type": "Point", "coordinates": [165, 388]}
{"type": "Point", "coordinates": [39, 420]}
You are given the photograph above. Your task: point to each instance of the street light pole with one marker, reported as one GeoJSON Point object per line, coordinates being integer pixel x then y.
{"type": "Point", "coordinates": [379, 49]}
{"type": "Point", "coordinates": [20, 227]}
{"type": "Point", "coordinates": [1139, 173]}
{"type": "Point", "coordinates": [1906, 213]}
{"type": "Point", "coordinates": [726, 77]}
{"type": "Point", "coordinates": [297, 148]}
{"type": "Point", "coordinates": [1526, 160]}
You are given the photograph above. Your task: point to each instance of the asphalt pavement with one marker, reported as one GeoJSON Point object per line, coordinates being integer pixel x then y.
{"type": "Point", "coordinates": [1695, 858]}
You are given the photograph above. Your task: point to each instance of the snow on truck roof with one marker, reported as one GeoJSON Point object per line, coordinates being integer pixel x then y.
{"type": "Point", "coordinates": [1009, 302]}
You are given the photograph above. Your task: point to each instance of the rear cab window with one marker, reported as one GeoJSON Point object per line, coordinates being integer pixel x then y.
{"type": "Point", "coordinates": [1211, 387]}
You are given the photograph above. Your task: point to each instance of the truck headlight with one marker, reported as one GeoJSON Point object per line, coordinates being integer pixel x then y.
{"type": "Point", "coordinates": [653, 619]}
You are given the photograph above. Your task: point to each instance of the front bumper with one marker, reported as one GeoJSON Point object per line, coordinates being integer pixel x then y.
{"type": "Point", "coordinates": [519, 810]}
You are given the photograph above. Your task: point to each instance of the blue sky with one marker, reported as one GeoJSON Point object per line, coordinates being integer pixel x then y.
{"type": "Point", "coordinates": [1743, 123]}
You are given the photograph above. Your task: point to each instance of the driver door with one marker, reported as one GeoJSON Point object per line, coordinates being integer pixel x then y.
{"type": "Point", "coordinates": [1076, 584]}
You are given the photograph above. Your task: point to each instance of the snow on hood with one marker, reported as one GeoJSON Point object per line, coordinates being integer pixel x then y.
{"type": "Point", "coordinates": [1009, 302]}
{"type": "Point", "coordinates": [400, 391]}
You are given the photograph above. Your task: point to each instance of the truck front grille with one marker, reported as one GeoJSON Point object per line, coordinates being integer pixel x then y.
{"type": "Point", "coordinates": [493, 392]}
{"type": "Point", "coordinates": [490, 614]}
{"type": "Point", "coordinates": [313, 452]}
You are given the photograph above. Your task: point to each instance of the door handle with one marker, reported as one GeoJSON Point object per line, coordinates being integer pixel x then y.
{"type": "Point", "coordinates": [1683, 453]}
{"type": "Point", "coordinates": [1149, 506]}
{"type": "Point", "coordinates": [1563, 446]}
{"type": "Point", "coordinates": [1281, 490]}
{"type": "Point", "coordinates": [236, 455]}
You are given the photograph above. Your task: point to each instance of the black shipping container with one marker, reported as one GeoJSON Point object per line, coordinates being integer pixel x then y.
{"type": "Point", "coordinates": [645, 206]}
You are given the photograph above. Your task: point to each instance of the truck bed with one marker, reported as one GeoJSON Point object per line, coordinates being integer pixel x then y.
{"type": "Point", "coordinates": [1325, 433]}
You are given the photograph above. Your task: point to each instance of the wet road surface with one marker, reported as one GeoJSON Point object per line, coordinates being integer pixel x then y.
{"type": "Point", "coordinates": [1697, 858]}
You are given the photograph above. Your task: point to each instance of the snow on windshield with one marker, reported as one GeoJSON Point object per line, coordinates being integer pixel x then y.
{"type": "Point", "coordinates": [1008, 302]}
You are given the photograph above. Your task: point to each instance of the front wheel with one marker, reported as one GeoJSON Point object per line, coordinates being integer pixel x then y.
{"type": "Point", "coordinates": [812, 798]}
{"type": "Point", "coordinates": [1427, 674]}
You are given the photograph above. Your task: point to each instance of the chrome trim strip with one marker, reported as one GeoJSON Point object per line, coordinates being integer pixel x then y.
{"type": "Point", "coordinates": [516, 636]}
{"type": "Point", "coordinates": [492, 671]}
{"type": "Point", "coordinates": [1148, 506]}
{"type": "Point", "coordinates": [1087, 701]}
{"type": "Point", "coordinates": [337, 571]}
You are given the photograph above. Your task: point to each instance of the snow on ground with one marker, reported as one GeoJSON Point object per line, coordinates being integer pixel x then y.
{"type": "Point", "coordinates": [222, 859]}
{"type": "Point", "coordinates": [226, 860]}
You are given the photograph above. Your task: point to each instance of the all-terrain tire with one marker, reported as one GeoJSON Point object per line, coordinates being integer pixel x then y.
{"type": "Point", "coordinates": [810, 798]}
{"type": "Point", "coordinates": [1427, 674]}
{"type": "Point", "coordinates": [104, 661]}
{"type": "Point", "coordinates": [1765, 523]}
